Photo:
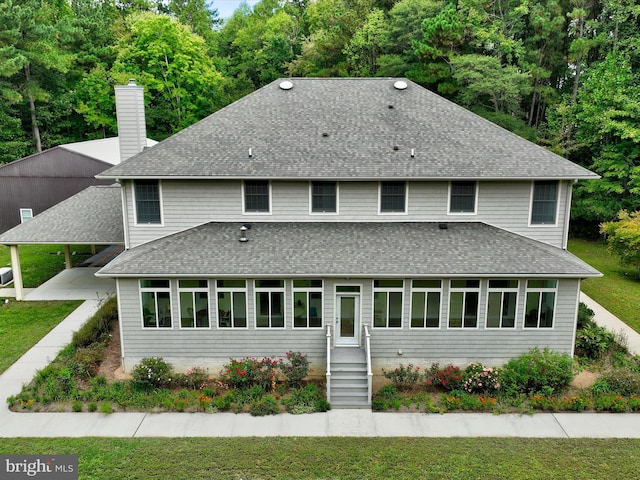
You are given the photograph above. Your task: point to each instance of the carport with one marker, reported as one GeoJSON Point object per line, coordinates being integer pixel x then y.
{"type": "Point", "coordinates": [91, 217]}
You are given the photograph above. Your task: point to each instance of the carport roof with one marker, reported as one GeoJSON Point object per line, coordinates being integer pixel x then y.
{"type": "Point", "coordinates": [93, 216]}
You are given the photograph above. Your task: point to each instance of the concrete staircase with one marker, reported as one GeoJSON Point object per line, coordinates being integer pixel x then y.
{"type": "Point", "coordinates": [349, 382]}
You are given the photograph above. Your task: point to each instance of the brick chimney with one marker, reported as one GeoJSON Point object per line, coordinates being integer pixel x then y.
{"type": "Point", "coordinates": [132, 130]}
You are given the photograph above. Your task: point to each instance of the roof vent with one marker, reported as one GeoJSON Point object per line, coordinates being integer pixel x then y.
{"type": "Point", "coordinates": [400, 85]}
{"type": "Point", "coordinates": [325, 134]}
{"type": "Point", "coordinates": [243, 232]}
{"type": "Point", "coordinates": [286, 85]}
{"type": "Point", "coordinates": [443, 226]}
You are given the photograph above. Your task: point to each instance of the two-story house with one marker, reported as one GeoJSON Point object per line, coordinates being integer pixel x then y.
{"type": "Point", "coordinates": [342, 217]}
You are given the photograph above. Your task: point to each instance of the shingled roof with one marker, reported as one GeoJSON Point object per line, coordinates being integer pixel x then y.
{"type": "Point", "coordinates": [93, 216]}
{"type": "Point", "coordinates": [347, 250]}
{"type": "Point", "coordinates": [346, 129]}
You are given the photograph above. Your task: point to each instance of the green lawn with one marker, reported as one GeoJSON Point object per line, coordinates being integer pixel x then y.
{"type": "Point", "coordinates": [341, 458]}
{"type": "Point", "coordinates": [41, 262]}
{"type": "Point", "coordinates": [23, 324]}
{"type": "Point", "coordinates": [619, 290]}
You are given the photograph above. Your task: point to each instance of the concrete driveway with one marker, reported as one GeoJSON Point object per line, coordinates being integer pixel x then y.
{"type": "Point", "coordinates": [78, 283]}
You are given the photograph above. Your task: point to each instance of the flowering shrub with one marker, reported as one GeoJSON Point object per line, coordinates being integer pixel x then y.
{"type": "Point", "coordinates": [451, 402]}
{"type": "Point", "coordinates": [575, 403]}
{"type": "Point", "coordinates": [153, 372]}
{"type": "Point", "coordinates": [449, 377]}
{"type": "Point", "coordinates": [611, 403]}
{"type": "Point", "coordinates": [196, 378]}
{"type": "Point", "coordinates": [543, 402]}
{"type": "Point", "coordinates": [404, 378]}
{"type": "Point", "coordinates": [480, 379]}
{"type": "Point", "coordinates": [294, 369]}
{"type": "Point", "coordinates": [204, 401]}
{"type": "Point", "coordinates": [250, 372]}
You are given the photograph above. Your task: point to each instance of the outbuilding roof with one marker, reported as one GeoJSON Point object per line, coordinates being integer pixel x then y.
{"type": "Point", "coordinates": [346, 249]}
{"type": "Point", "coordinates": [93, 216]}
{"type": "Point", "coordinates": [337, 128]}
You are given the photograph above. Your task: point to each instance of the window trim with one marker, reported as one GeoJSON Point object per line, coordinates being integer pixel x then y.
{"type": "Point", "coordinates": [541, 290]}
{"type": "Point", "coordinates": [387, 290]}
{"type": "Point", "coordinates": [502, 290]}
{"type": "Point", "coordinates": [307, 290]}
{"type": "Point", "coordinates": [244, 198]}
{"type": "Point", "coordinates": [232, 291]}
{"type": "Point", "coordinates": [337, 210]}
{"type": "Point", "coordinates": [426, 291]}
{"type": "Point", "coordinates": [193, 291]}
{"type": "Point", "coordinates": [531, 200]}
{"type": "Point", "coordinates": [406, 198]}
{"type": "Point", "coordinates": [270, 290]}
{"type": "Point", "coordinates": [464, 290]}
{"type": "Point", "coordinates": [155, 291]}
{"type": "Point", "coordinates": [22, 217]}
{"type": "Point", "coordinates": [476, 188]}
{"type": "Point", "coordinates": [135, 204]}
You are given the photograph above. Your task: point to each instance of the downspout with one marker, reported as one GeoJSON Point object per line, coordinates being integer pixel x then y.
{"type": "Point", "coordinates": [567, 214]}
{"type": "Point", "coordinates": [17, 272]}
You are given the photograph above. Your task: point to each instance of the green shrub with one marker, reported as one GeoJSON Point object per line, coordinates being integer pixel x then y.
{"type": "Point", "coordinates": [593, 341]}
{"type": "Point", "coordinates": [537, 371]}
{"type": "Point", "coordinates": [92, 406]}
{"type": "Point", "coordinates": [404, 378]}
{"type": "Point", "coordinates": [303, 400]}
{"type": "Point", "coordinates": [622, 381]}
{"type": "Point", "coordinates": [294, 369]}
{"type": "Point", "coordinates": [97, 326]}
{"type": "Point", "coordinates": [610, 402]}
{"type": "Point", "coordinates": [85, 361]}
{"type": "Point", "coordinates": [195, 378]}
{"type": "Point", "coordinates": [106, 408]}
{"type": "Point", "coordinates": [267, 405]}
{"type": "Point", "coordinates": [152, 372]}
{"type": "Point", "coordinates": [585, 315]}
{"type": "Point", "coordinates": [76, 406]}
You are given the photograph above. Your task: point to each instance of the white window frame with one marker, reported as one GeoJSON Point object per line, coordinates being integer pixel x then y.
{"type": "Point", "coordinates": [406, 198]}
{"type": "Point", "coordinates": [311, 212]}
{"type": "Point", "coordinates": [269, 290]}
{"type": "Point", "coordinates": [502, 291]}
{"type": "Point", "coordinates": [232, 291]}
{"type": "Point", "coordinates": [307, 291]}
{"type": "Point", "coordinates": [244, 207]}
{"type": "Point", "coordinates": [557, 212]}
{"type": "Point", "coordinates": [193, 291]}
{"type": "Point", "coordinates": [135, 204]}
{"type": "Point", "coordinates": [25, 218]}
{"type": "Point", "coordinates": [387, 290]}
{"type": "Point", "coordinates": [426, 291]}
{"type": "Point", "coordinates": [475, 200]}
{"type": "Point", "coordinates": [155, 291]}
{"type": "Point", "coordinates": [541, 291]}
{"type": "Point", "coordinates": [464, 290]}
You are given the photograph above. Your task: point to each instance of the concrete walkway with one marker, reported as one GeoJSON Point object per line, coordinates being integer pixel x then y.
{"type": "Point", "coordinates": [606, 319]}
{"type": "Point", "coordinates": [350, 423]}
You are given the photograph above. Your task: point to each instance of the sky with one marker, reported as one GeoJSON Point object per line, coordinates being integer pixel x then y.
{"type": "Point", "coordinates": [227, 7]}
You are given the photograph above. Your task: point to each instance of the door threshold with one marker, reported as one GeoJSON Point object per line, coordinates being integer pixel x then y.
{"type": "Point", "coordinates": [347, 346]}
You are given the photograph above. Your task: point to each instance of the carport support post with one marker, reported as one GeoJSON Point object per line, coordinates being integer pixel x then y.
{"type": "Point", "coordinates": [17, 272]}
{"type": "Point", "coordinates": [67, 257]}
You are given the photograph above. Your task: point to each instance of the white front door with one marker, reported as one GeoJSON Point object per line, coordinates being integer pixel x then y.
{"type": "Point", "coordinates": [347, 319]}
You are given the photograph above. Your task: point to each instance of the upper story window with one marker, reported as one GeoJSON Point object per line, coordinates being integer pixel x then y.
{"type": "Point", "coordinates": [464, 296]}
{"type": "Point", "coordinates": [393, 197]}
{"type": "Point", "coordinates": [147, 198]}
{"type": "Point", "coordinates": [155, 296]}
{"type": "Point", "coordinates": [257, 196]}
{"type": "Point", "coordinates": [462, 197]}
{"type": "Point", "coordinates": [324, 197]}
{"type": "Point", "coordinates": [26, 214]}
{"type": "Point", "coordinates": [194, 303]}
{"type": "Point", "coordinates": [387, 303]}
{"type": "Point", "coordinates": [544, 202]}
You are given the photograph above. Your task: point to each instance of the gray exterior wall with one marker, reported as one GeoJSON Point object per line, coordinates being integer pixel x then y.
{"type": "Point", "coordinates": [188, 203]}
{"type": "Point", "coordinates": [40, 181]}
{"type": "Point", "coordinates": [211, 348]}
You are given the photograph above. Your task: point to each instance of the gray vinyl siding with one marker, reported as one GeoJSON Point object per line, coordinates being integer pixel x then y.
{"type": "Point", "coordinates": [211, 348]}
{"type": "Point", "coordinates": [188, 203]}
